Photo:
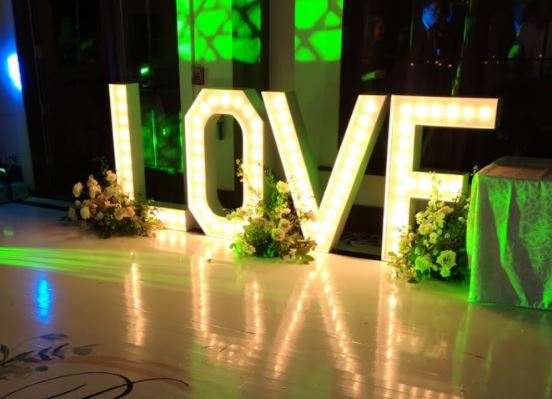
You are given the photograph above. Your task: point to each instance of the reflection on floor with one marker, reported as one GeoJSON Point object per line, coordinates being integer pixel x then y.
{"type": "Point", "coordinates": [178, 316]}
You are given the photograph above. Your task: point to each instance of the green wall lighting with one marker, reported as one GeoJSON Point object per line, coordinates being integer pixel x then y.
{"type": "Point", "coordinates": [213, 30]}
{"type": "Point", "coordinates": [161, 140]}
{"type": "Point", "coordinates": [318, 30]}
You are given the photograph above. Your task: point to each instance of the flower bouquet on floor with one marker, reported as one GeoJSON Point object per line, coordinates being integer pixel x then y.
{"type": "Point", "coordinates": [436, 246]}
{"type": "Point", "coordinates": [272, 228]}
{"type": "Point", "coordinates": [108, 210]}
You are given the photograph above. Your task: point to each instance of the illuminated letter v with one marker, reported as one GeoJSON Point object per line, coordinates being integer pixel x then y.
{"type": "Point", "coordinates": [348, 171]}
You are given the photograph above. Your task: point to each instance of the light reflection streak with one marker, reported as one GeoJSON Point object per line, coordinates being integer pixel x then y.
{"type": "Point", "coordinates": [174, 239]}
{"type": "Point", "coordinates": [389, 347]}
{"type": "Point", "coordinates": [43, 300]}
{"type": "Point", "coordinates": [226, 349]}
{"type": "Point", "coordinates": [318, 282]}
{"type": "Point", "coordinates": [135, 309]}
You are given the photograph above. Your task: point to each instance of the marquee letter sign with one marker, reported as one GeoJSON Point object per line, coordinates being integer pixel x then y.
{"type": "Point", "coordinates": [347, 173]}
{"type": "Point", "coordinates": [404, 181]}
{"type": "Point", "coordinates": [125, 118]}
{"type": "Point", "coordinates": [202, 191]}
{"type": "Point", "coordinates": [127, 144]}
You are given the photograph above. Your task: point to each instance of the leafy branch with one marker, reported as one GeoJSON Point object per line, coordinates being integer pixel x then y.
{"type": "Point", "coordinates": [18, 364]}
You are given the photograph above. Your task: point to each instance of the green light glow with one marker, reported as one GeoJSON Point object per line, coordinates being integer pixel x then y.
{"type": "Point", "coordinates": [509, 238]}
{"type": "Point", "coordinates": [231, 30]}
{"type": "Point", "coordinates": [161, 138]}
{"type": "Point", "coordinates": [222, 30]}
{"type": "Point", "coordinates": [309, 12]}
{"type": "Point", "coordinates": [318, 30]}
{"type": "Point", "coordinates": [246, 18]}
{"type": "Point", "coordinates": [501, 204]}
{"type": "Point", "coordinates": [211, 22]}
{"type": "Point", "coordinates": [93, 264]}
{"type": "Point", "coordinates": [145, 70]}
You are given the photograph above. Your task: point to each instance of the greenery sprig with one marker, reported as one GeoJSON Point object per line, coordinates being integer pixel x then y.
{"type": "Point", "coordinates": [436, 246]}
{"type": "Point", "coordinates": [272, 228]}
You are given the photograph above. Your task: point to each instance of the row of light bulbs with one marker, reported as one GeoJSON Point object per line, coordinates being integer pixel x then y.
{"type": "Point", "coordinates": [215, 102]}
{"type": "Point", "coordinates": [330, 215]}
{"type": "Point", "coordinates": [408, 113]}
{"type": "Point", "coordinates": [121, 134]}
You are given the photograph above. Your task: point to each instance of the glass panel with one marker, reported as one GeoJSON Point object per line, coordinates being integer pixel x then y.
{"type": "Point", "coordinates": [76, 32]}
{"type": "Point", "coordinates": [467, 48]}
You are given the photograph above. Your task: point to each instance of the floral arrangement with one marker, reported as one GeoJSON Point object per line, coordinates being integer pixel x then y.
{"type": "Point", "coordinates": [108, 210]}
{"type": "Point", "coordinates": [436, 247]}
{"type": "Point", "coordinates": [272, 229]}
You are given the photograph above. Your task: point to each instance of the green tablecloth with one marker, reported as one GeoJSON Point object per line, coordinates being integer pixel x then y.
{"type": "Point", "coordinates": [509, 237]}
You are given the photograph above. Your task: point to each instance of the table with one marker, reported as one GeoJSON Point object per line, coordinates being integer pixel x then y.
{"type": "Point", "coordinates": [509, 234]}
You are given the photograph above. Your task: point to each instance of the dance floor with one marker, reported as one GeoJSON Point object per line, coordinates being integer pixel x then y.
{"type": "Point", "coordinates": [177, 316]}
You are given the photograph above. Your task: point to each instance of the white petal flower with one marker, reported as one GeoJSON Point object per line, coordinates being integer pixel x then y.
{"type": "Point", "coordinates": [110, 177]}
{"type": "Point", "coordinates": [119, 213]}
{"type": "Point", "coordinates": [85, 212]}
{"type": "Point", "coordinates": [77, 189]}
{"type": "Point", "coordinates": [282, 187]}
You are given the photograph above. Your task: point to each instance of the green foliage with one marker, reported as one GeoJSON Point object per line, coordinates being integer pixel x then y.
{"type": "Point", "coordinates": [108, 210]}
{"type": "Point", "coordinates": [436, 247]}
{"type": "Point", "coordinates": [272, 228]}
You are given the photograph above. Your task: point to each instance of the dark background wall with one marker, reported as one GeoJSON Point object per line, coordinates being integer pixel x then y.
{"type": "Point", "coordinates": [471, 50]}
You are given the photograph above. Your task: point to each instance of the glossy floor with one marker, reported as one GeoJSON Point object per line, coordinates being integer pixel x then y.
{"type": "Point", "coordinates": [176, 316]}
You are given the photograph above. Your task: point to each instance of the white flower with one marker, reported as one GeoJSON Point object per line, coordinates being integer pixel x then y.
{"type": "Point", "coordinates": [423, 263]}
{"type": "Point", "coordinates": [93, 190]}
{"type": "Point", "coordinates": [446, 210]}
{"type": "Point", "coordinates": [109, 191]}
{"type": "Point", "coordinates": [99, 216]}
{"type": "Point", "coordinates": [284, 224]}
{"type": "Point", "coordinates": [93, 187]}
{"type": "Point", "coordinates": [77, 189]}
{"type": "Point", "coordinates": [119, 213]}
{"type": "Point", "coordinates": [77, 203]}
{"type": "Point", "coordinates": [282, 187]}
{"type": "Point", "coordinates": [72, 214]}
{"type": "Point", "coordinates": [447, 259]}
{"type": "Point", "coordinates": [282, 211]}
{"type": "Point", "coordinates": [278, 234]}
{"type": "Point", "coordinates": [85, 212]}
{"type": "Point", "coordinates": [91, 181]}
{"type": "Point", "coordinates": [129, 212]}
{"type": "Point", "coordinates": [110, 177]}
{"type": "Point", "coordinates": [445, 272]}
{"type": "Point", "coordinates": [425, 229]}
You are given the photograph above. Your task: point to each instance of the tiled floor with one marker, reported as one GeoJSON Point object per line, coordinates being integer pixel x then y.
{"type": "Point", "coordinates": [177, 316]}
